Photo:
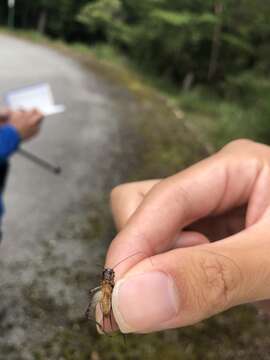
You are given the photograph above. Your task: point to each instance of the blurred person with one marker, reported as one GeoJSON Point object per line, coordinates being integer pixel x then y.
{"type": "Point", "coordinates": [195, 244]}
{"type": "Point", "coordinates": [15, 127]}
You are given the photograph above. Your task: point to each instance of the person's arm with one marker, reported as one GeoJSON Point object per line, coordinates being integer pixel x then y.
{"type": "Point", "coordinates": [9, 141]}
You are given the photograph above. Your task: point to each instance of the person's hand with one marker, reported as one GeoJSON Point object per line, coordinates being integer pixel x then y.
{"type": "Point", "coordinates": [162, 280]}
{"type": "Point", "coordinates": [4, 116]}
{"type": "Point", "coordinates": [27, 123]}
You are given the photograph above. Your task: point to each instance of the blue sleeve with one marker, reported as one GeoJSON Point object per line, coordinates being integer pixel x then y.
{"type": "Point", "coordinates": [9, 141]}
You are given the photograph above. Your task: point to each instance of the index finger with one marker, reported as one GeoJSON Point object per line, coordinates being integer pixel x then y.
{"type": "Point", "coordinates": [210, 187]}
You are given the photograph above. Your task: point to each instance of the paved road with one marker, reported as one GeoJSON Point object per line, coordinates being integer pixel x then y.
{"type": "Point", "coordinates": [76, 140]}
{"type": "Point", "coordinates": [85, 141]}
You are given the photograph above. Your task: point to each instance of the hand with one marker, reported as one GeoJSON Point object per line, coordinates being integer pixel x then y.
{"type": "Point", "coordinates": [26, 122]}
{"type": "Point", "coordinates": [4, 116]}
{"type": "Point", "coordinates": [172, 275]}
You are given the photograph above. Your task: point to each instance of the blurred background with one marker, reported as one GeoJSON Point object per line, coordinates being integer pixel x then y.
{"type": "Point", "coordinates": [176, 80]}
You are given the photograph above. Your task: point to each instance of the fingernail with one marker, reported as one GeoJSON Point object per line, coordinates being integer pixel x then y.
{"type": "Point", "coordinates": [144, 302]}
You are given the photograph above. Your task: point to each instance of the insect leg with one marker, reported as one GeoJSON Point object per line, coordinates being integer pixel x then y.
{"type": "Point", "coordinates": [111, 323]}
{"type": "Point", "coordinates": [92, 291]}
{"type": "Point", "coordinates": [98, 325]}
{"type": "Point", "coordinates": [103, 322]}
{"type": "Point", "coordinates": [87, 312]}
{"type": "Point", "coordinates": [125, 339]}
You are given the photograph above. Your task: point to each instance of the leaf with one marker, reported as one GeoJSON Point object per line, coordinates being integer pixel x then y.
{"type": "Point", "coordinates": [207, 18]}
{"type": "Point", "coordinates": [99, 13]}
{"type": "Point", "coordinates": [180, 19]}
{"type": "Point", "coordinates": [237, 42]}
{"type": "Point", "coordinates": [173, 18]}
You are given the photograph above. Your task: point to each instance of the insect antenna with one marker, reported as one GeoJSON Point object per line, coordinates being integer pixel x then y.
{"type": "Point", "coordinates": [120, 262]}
{"type": "Point", "coordinates": [99, 265]}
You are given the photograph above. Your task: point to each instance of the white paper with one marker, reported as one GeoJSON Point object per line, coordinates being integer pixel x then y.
{"type": "Point", "coordinates": [36, 96]}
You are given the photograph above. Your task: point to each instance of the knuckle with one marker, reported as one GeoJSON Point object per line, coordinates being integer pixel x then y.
{"type": "Point", "coordinates": [121, 190]}
{"type": "Point", "coordinates": [219, 279]}
{"type": "Point", "coordinates": [117, 192]}
{"type": "Point", "coordinates": [239, 143]}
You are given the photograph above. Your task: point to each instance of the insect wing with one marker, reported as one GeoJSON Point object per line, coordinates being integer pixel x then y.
{"type": "Point", "coordinates": [91, 310]}
{"type": "Point", "coordinates": [106, 299]}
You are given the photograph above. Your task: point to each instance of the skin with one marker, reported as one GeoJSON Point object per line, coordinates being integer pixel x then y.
{"type": "Point", "coordinates": [206, 227]}
{"type": "Point", "coordinates": [26, 122]}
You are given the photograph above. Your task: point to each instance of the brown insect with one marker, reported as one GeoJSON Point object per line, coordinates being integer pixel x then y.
{"type": "Point", "coordinates": [102, 296]}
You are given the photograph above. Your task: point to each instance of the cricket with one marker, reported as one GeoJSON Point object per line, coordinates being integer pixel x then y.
{"type": "Point", "coordinates": [102, 296]}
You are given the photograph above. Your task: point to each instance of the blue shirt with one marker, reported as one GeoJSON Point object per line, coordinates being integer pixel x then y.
{"type": "Point", "coordinates": [9, 143]}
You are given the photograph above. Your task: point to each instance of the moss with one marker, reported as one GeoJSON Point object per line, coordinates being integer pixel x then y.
{"type": "Point", "coordinates": [224, 337]}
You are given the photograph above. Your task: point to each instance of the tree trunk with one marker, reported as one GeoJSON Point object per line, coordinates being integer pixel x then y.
{"type": "Point", "coordinates": [188, 81]}
{"type": "Point", "coordinates": [213, 64]}
{"type": "Point", "coordinates": [42, 21]}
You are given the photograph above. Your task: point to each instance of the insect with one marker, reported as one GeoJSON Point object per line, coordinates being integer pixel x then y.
{"type": "Point", "coordinates": [102, 296]}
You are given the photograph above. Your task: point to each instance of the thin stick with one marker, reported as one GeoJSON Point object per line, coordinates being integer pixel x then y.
{"type": "Point", "coordinates": [55, 169]}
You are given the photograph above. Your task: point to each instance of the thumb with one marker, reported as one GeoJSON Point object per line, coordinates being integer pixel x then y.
{"type": "Point", "coordinates": [185, 286]}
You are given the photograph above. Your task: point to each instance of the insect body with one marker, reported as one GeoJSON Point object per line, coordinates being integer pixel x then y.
{"type": "Point", "coordinates": [107, 285]}
{"type": "Point", "coordinates": [103, 298]}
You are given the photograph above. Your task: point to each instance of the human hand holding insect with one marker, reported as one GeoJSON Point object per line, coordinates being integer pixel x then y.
{"type": "Point", "coordinates": [178, 276]}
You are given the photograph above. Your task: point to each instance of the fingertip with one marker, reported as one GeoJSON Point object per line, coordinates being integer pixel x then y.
{"type": "Point", "coordinates": [144, 302]}
{"type": "Point", "coordinates": [123, 326]}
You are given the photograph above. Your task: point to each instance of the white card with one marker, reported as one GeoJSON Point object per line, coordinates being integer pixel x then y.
{"type": "Point", "coordinates": [36, 96]}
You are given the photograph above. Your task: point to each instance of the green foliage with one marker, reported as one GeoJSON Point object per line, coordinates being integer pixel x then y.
{"type": "Point", "coordinates": [175, 38]}
{"type": "Point", "coordinates": [184, 18]}
{"type": "Point", "coordinates": [210, 40]}
{"type": "Point", "coordinates": [101, 16]}
{"type": "Point", "coordinates": [104, 18]}
{"type": "Point", "coordinates": [244, 111]}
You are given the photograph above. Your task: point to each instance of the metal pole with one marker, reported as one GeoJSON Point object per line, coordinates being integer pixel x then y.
{"type": "Point", "coordinates": [41, 162]}
{"type": "Point", "coordinates": [11, 14]}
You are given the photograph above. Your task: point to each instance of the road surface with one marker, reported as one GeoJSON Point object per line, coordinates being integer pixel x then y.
{"type": "Point", "coordinates": [41, 249]}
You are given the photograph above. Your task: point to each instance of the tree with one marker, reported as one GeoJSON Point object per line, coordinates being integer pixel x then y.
{"type": "Point", "coordinates": [103, 16]}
